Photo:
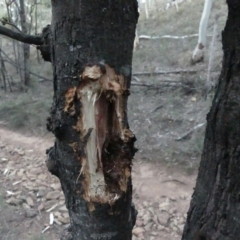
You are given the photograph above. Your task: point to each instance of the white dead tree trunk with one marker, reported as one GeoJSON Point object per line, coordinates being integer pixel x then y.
{"type": "Point", "coordinates": [136, 41]}
{"type": "Point", "coordinates": [146, 9]}
{"type": "Point", "coordinates": [146, 5]}
{"type": "Point", "coordinates": [198, 54]}
{"type": "Point", "coordinates": [209, 83]}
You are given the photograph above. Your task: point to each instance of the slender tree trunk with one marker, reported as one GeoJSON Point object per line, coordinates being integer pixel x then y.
{"type": "Point", "coordinates": [19, 62]}
{"type": "Point", "coordinates": [13, 41]}
{"type": "Point", "coordinates": [198, 53]}
{"type": "Point", "coordinates": [36, 26]}
{"type": "Point", "coordinates": [26, 47]}
{"type": "Point", "coordinates": [92, 44]}
{"type": "Point", "coordinates": [214, 211]}
{"type": "Point", "coordinates": [2, 70]}
{"type": "Point", "coordinates": [209, 84]}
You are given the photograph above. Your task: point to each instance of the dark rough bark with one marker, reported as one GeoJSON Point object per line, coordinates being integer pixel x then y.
{"type": "Point", "coordinates": [45, 47]}
{"type": "Point", "coordinates": [214, 211]}
{"type": "Point", "coordinates": [92, 43]}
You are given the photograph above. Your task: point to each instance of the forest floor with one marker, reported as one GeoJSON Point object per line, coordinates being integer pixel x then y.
{"type": "Point", "coordinates": [30, 194]}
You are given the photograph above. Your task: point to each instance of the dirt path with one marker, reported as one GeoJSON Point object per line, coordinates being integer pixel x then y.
{"type": "Point", "coordinates": [30, 195]}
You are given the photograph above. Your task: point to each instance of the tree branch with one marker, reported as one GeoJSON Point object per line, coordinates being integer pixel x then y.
{"type": "Point", "coordinates": [30, 39]}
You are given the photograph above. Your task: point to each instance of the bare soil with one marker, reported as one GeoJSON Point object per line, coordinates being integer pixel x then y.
{"type": "Point", "coordinates": [30, 194]}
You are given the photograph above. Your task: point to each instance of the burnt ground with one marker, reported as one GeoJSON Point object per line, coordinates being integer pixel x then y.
{"type": "Point", "coordinates": [29, 194]}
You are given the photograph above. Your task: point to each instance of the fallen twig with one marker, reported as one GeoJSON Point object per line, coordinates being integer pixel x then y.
{"type": "Point", "coordinates": [155, 85]}
{"type": "Point", "coordinates": [148, 37]}
{"type": "Point", "coordinates": [161, 84]}
{"type": "Point", "coordinates": [189, 132]}
{"type": "Point", "coordinates": [174, 180]}
{"type": "Point", "coordinates": [165, 72]}
{"type": "Point", "coordinates": [167, 36]}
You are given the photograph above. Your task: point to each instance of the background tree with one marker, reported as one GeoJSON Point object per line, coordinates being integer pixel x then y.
{"type": "Point", "coordinates": [26, 47]}
{"type": "Point", "coordinates": [90, 45]}
{"type": "Point", "coordinates": [214, 211]}
{"type": "Point", "coordinates": [198, 53]}
{"type": "Point", "coordinates": [22, 16]}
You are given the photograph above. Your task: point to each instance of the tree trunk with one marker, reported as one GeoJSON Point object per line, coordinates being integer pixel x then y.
{"type": "Point", "coordinates": [198, 53]}
{"type": "Point", "coordinates": [92, 44]}
{"type": "Point", "coordinates": [26, 47]}
{"type": "Point", "coordinates": [214, 211]}
{"type": "Point", "coordinates": [13, 42]}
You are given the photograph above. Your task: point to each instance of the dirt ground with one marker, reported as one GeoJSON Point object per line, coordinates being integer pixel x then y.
{"type": "Point", "coordinates": [30, 196]}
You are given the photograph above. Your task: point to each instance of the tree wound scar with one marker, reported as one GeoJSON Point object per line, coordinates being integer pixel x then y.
{"type": "Point", "coordinates": [101, 93]}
